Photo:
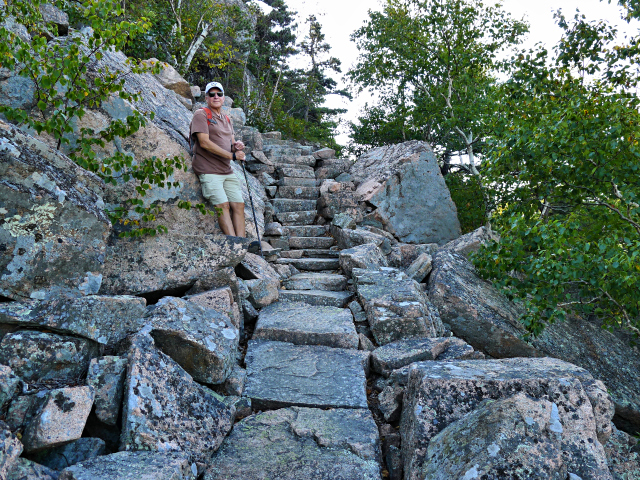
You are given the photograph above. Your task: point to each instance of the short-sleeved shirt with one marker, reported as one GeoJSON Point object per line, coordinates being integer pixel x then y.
{"type": "Point", "coordinates": [220, 133]}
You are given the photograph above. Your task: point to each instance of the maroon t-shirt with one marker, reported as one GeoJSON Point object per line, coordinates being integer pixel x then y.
{"type": "Point", "coordinates": [220, 133]}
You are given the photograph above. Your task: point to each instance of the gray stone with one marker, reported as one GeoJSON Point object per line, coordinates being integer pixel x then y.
{"type": "Point", "coordinates": [297, 218]}
{"type": "Point", "coordinates": [365, 344]}
{"type": "Point", "coordinates": [51, 14]}
{"type": "Point", "coordinates": [64, 456]}
{"type": "Point", "coordinates": [332, 168]}
{"type": "Point", "coordinates": [397, 354]}
{"type": "Point", "coordinates": [304, 324]}
{"type": "Point", "coordinates": [471, 242]}
{"type": "Point", "coordinates": [263, 292]}
{"type": "Point", "coordinates": [475, 310]}
{"type": "Point", "coordinates": [10, 386]}
{"type": "Point", "coordinates": [390, 403]}
{"type": "Point", "coordinates": [165, 409]}
{"type": "Point", "coordinates": [10, 450]}
{"type": "Point", "coordinates": [201, 340]}
{"type": "Point", "coordinates": [367, 256]}
{"type": "Point", "coordinates": [336, 198]}
{"type": "Point", "coordinates": [396, 306]}
{"type": "Point", "coordinates": [38, 356]}
{"type": "Point", "coordinates": [403, 254]}
{"type": "Point", "coordinates": [311, 242]}
{"type": "Point", "coordinates": [296, 443]}
{"type": "Point", "coordinates": [54, 228]}
{"type": "Point", "coordinates": [281, 374]}
{"type": "Point", "coordinates": [195, 91]}
{"type": "Point", "coordinates": [60, 418]}
{"type": "Point", "coordinates": [234, 384]}
{"type": "Point", "coordinates": [27, 470]}
{"type": "Point", "coordinates": [348, 238]}
{"type": "Point", "coordinates": [324, 153]}
{"type": "Point", "coordinates": [440, 393]}
{"type": "Point", "coordinates": [16, 91]}
{"type": "Point", "coordinates": [274, 228]}
{"type": "Point", "coordinates": [317, 297]}
{"type": "Point", "coordinates": [255, 267]}
{"type": "Point", "coordinates": [312, 264]}
{"type": "Point", "coordinates": [134, 465]}
{"type": "Point", "coordinates": [344, 221]}
{"type": "Point", "coordinates": [293, 205]}
{"type": "Point", "coordinates": [359, 315]}
{"type": "Point", "coordinates": [420, 268]}
{"type": "Point", "coordinates": [316, 281]}
{"type": "Point", "coordinates": [16, 28]}
{"type": "Point", "coordinates": [168, 261]}
{"type": "Point", "coordinates": [106, 375]}
{"type": "Point", "coordinates": [623, 455]}
{"type": "Point", "coordinates": [103, 319]}
{"type": "Point", "coordinates": [310, 193]}
{"type": "Point", "coordinates": [220, 300]}
{"type": "Point", "coordinates": [508, 437]}
{"type": "Point", "coordinates": [170, 79]}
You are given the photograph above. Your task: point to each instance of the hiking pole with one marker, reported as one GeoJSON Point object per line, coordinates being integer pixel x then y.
{"type": "Point", "coordinates": [255, 221]}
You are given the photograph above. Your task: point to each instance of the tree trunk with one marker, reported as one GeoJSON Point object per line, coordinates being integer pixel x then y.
{"type": "Point", "coordinates": [195, 46]}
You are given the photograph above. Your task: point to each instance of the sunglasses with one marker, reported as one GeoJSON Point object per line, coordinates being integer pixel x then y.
{"type": "Point", "coordinates": [216, 94]}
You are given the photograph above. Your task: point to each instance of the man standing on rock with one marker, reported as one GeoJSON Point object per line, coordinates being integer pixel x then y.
{"type": "Point", "coordinates": [214, 148]}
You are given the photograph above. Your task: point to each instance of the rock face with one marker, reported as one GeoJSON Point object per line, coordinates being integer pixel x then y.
{"type": "Point", "coordinates": [296, 443]}
{"type": "Point", "coordinates": [138, 465]}
{"type": "Point", "coordinates": [165, 409]}
{"type": "Point", "coordinates": [201, 340]}
{"type": "Point", "coordinates": [106, 376]}
{"type": "Point", "coordinates": [10, 384]}
{"type": "Point", "coordinates": [474, 309]}
{"type": "Point", "coordinates": [105, 320]}
{"type": "Point", "coordinates": [60, 419]}
{"type": "Point", "coordinates": [37, 356]}
{"type": "Point", "coordinates": [54, 230]}
{"type": "Point", "coordinates": [491, 441]}
{"type": "Point", "coordinates": [168, 262]}
{"type": "Point", "coordinates": [395, 305]}
{"type": "Point", "coordinates": [440, 393]}
{"type": "Point", "coordinates": [282, 374]}
{"type": "Point", "coordinates": [405, 184]}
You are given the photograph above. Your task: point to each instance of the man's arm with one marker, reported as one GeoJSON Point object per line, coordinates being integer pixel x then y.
{"type": "Point", "coordinates": [204, 142]}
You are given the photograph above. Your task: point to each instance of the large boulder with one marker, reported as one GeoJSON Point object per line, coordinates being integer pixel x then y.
{"type": "Point", "coordinates": [171, 79]}
{"type": "Point", "coordinates": [165, 409]}
{"type": "Point", "coordinates": [169, 261]}
{"type": "Point", "coordinates": [54, 229]}
{"type": "Point", "coordinates": [475, 310]}
{"type": "Point", "coordinates": [439, 393]}
{"type": "Point", "coordinates": [405, 185]}
{"type": "Point", "coordinates": [367, 256]}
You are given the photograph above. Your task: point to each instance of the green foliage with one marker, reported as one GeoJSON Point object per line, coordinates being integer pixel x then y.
{"type": "Point", "coordinates": [564, 168]}
{"type": "Point", "coordinates": [64, 92]}
{"type": "Point", "coordinates": [466, 193]}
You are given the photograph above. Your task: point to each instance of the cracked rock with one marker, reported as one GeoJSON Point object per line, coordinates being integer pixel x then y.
{"type": "Point", "coordinates": [106, 376]}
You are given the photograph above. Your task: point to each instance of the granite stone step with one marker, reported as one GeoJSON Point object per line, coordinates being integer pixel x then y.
{"type": "Point", "coordinates": [316, 281]}
{"type": "Point", "coordinates": [311, 242]}
{"type": "Point", "coordinates": [296, 218]}
{"type": "Point", "coordinates": [304, 324]}
{"type": "Point", "coordinates": [292, 205]}
{"type": "Point", "coordinates": [317, 297]}
{"type": "Point", "coordinates": [273, 151]}
{"type": "Point", "coordinates": [312, 264]}
{"type": "Point", "coordinates": [299, 192]}
{"type": "Point", "coordinates": [298, 172]}
{"type": "Point", "coordinates": [282, 374]}
{"type": "Point", "coordinates": [320, 253]}
{"type": "Point", "coordinates": [297, 182]}
{"type": "Point", "coordinates": [307, 160]}
{"type": "Point", "coordinates": [306, 231]}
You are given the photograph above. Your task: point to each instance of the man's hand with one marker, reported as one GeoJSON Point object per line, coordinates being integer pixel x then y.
{"type": "Point", "coordinates": [238, 146]}
{"type": "Point", "coordinates": [240, 155]}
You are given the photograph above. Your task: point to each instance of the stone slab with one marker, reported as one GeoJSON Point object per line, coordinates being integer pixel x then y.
{"type": "Point", "coordinates": [303, 324]}
{"type": "Point", "coordinates": [297, 182]}
{"type": "Point", "coordinates": [300, 443]}
{"type": "Point", "coordinates": [106, 376]}
{"type": "Point", "coordinates": [317, 297]}
{"type": "Point", "coordinates": [311, 242]}
{"type": "Point", "coordinates": [316, 281]}
{"type": "Point", "coordinates": [306, 230]}
{"type": "Point", "coordinates": [312, 264]}
{"type": "Point", "coordinates": [298, 192]}
{"type": "Point", "coordinates": [292, 205]}
{"type": "Point", "coordinates": [298, 172]}
{"type": "Point", "coordinates": [320, 253]}
{"type": "Point", "coordinates": [297, 218]}
{"type": "Point", "coordinates": [282, 374]}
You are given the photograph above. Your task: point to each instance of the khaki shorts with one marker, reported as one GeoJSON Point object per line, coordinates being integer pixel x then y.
{"type": "Point", "coordinates": [221, 188]}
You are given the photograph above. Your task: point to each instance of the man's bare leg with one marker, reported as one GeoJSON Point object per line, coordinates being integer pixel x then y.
{"type": "Point", "coordinates": [237, 217]}
{"type": "Point", "coordinates": [224, 220]}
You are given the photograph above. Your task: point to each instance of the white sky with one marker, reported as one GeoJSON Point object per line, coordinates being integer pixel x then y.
{"type": "Point", "coordinates": [340, 18]}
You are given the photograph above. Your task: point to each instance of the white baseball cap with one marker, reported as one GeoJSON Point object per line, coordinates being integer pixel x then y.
{"type": "Point", "coordinates": [211, 85]}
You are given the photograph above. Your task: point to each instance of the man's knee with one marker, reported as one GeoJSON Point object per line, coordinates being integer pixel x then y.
{"type": "Point", "coordinates": [224, 206]}
{"type": "Point", "coordinates": [237, 207]}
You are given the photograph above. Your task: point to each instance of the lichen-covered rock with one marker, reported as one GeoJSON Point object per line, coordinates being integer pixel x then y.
{"type": "Point", "coordinates": [27, 470]}
{"type": "Point", "coordinates": [367, 256]}
{"type": "Point", "coordinates": [10, 450]}
{"type": "Point", "coordinates": [412, 200]}
{"type": "Point", "coordinates": [168, 261]}
{"type": "Point", "coordinates": [520, 437]}
{"type": "Point", "coordinates": [420, 268]}
{"type": "Point", "coordinates": [349, 238]}
{"type": "Point", "coordinates": [165, 409]}
{"type": "Point", "coordinates": [221, 300]}
{"type": "Point", "coordinates": [51, 14]}
{"type": "Point", "coordinates": [338, 198]}
{"type": "Point", "coordinates": [255, 267]}
{"type": "Point", "coordinates": [64, 456]}
{"type": "Point", "coordinates": [36, 356]}
{"type": "Point", "coordinates": [134, 466]}
{"type": "Point", "coordinates": [439, 393]}
{"type": "Point", "coordinates": [404, 254]}
{"type": "Point", "coordinates": [106, 376]}
{"type": "Point", "coordinates": [10, 385]}
{"type": "Point", "coordinates": [170, 79]}
{"type": "Point", "coordinates": [203, 341]}
{"type": "Point", "coordinates": [475, 310]}
{"type": "Point", "coordinates": [54, 229]}
{"type": "Point", "coordinates": [263, 292]}
{"type": "Point", "coordinates": [103, 319]}
{"type": "Point", "coordinates": [60, 419]}
{"type": "Point", "coordinates": [296, 443]}
{"type": "Point", "coordinates": [471, 242]}
{"type": "Point", "coordinates": [623, 455]}
{"type": "Point", "coordinates": [395, 305]}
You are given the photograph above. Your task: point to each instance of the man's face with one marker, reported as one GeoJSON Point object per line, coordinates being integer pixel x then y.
{"type": "Point", "coordinates": [216, 100]}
